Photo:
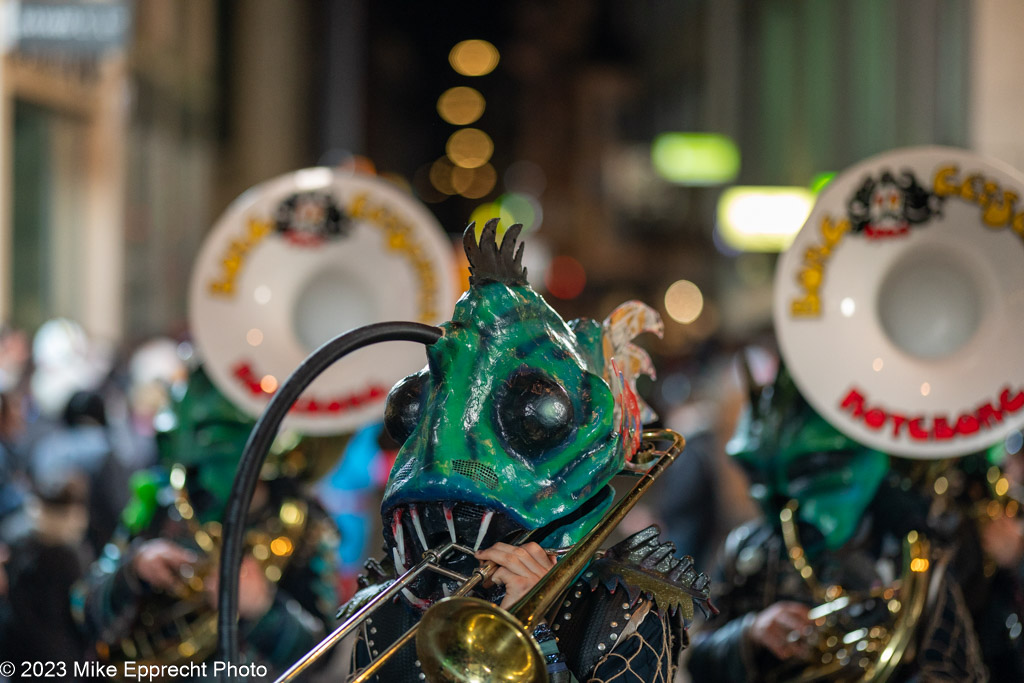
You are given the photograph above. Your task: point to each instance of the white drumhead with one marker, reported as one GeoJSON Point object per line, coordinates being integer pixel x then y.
{"type": "Point", "coordinates": [302, 258]}
{"type": "Point", "coordinates": [899, 308]}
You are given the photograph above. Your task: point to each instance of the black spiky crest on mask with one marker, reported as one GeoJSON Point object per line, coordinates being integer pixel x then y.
{"type": "Point", "coordinates": [490, 263]}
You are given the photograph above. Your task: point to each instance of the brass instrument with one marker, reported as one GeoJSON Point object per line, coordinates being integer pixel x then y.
{"type": "Point", "coordinates": [978, 493]}
{"type": "Point", "coordinates": [1004, 497]}
{"type": "Point", "coordinates": [174, 628]}
{"type": "Point", "coordinates": [865, 636]}
{"type": "Point", "coordinates": [461, 638]}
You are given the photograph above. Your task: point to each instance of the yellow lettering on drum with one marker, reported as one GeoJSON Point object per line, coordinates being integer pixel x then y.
{"type": "Point", "coordinates": [807, 307]}
{"type": "Point", "coordinates": [812, 272]}
{"type": "Point", "coordinates": [399, 237]}
{"type": "Point", "coordinates": [997, 213]}
{"type": "Point", "coordinates": [945, 183]}
{"type": "Point", "coordinates": [970, 187]}
{"type": "Point", "coordinates": [234, 257]}
{"type": "Point", "coordinates": [1018, 224]}
{"type": "Point", "coordinates": [833, 232]}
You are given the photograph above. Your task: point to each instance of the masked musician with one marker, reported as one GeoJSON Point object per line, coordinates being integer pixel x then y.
{"type": "Point", "coordinates": [811, 592]}
{"type": "Point", "coordinates": [976, 502]}
{"type": "Point", "coordinates": [519, 422]}
{"type": "Point", "coordinates": [151, 596]}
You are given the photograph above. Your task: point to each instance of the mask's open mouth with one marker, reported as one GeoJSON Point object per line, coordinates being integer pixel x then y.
{"type": "Point", "coordinates": [412, 528]}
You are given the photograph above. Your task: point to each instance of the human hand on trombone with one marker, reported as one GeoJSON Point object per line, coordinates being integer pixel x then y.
{"type": "Point", "coordinates": [520, 568]}
{"type": "Point", "coordinates": [159, 563]}
{"type": "Point", "coordinates": [780, 629]}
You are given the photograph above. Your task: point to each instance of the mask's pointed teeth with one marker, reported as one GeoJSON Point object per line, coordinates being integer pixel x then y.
{"type": "Point", "coordinates": [418, 603]}
{"type": "Point", "coordinates": [450, 521]}
{"type": "Point", "coordinates": [399, 533]}
{"type": "Point", "coordinates": [399, 561]}
{"type": "Point", "coordinates": [415, 513]}
{"type": "Point", "coordinates": [485, 522]}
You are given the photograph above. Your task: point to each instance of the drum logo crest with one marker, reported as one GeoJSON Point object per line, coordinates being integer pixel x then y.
{"type": "Point", "coordinates": [310, 219]}
{"type": "Point", "coordinates": [886, 206]}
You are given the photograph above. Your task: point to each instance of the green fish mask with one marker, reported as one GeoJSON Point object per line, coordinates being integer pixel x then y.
{"type": "Point", "coordinates": [519, 420]}
{"type": "Point", "coordinates": [204, 433]}
{"type": "Point", "coordinates": [790, 452]}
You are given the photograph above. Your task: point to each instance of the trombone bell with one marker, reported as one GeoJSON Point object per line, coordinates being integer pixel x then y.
{"type": "Point", "coordinates": [469, 640]}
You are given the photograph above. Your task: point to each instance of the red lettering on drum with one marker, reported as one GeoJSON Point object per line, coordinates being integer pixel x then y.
{"type": "Point", "coordinates": [989, 414]}
{"type": "Point", "coordinates": [874, 418]}
{"type": "Point", "coordinates": [941, 429]}
{"type": "Point", "coordinates": [243, 373]}
{"type": "Point", "coordinates": [897, 422]}
{"type": "Point", "coordinates": [854, 400]}
{"type": "Point", "coordinates": [1011, 405]}
{"type": "Point", "coordinates": [936, 427]}
{"type": "Point", "coordinates": [310, 405]}
{"type": "Point", "coordinates": [916, 432]}
{"type": "Point", "coordinates": [967, 424]}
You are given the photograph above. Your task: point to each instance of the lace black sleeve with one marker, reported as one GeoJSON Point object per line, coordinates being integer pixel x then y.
{"type": "Point", "coordinates": [643, 656]}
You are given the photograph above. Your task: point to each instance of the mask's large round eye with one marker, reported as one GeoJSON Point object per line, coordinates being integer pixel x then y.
{"type": "Point", "coordinates": [402, 411]}
{"type": "Point", "coordinates": [534, 413]}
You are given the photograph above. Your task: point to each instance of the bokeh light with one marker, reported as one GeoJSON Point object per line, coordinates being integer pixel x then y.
{"type": "Point", "coordinates": [695, 158]}
{"type": "Point", "coordinates": [441, 175]}
{"type": "Point", "coordinates": [474, 57]}
{"type": "Point", "coordinates": [521, 208]}
{"type": "Point", "coordinates": [254, 336]}
{"type": "Point", "coordinates": [762, 218]}
{"type": "Point", "coordinates": [565, 278]}
{"type": "Point", "coordinates": [461, 105]}
{"type": "Point", "coordinates": [684, 301]}
{"type": "Point", "coordinates": [424, 186]}
{"type": "Point", "coordinates": [486, 212]}
{"type": "Point", "coordinates": [469, 147]}
{"type": "Point", "coordinates": [820, 180]}
{"type": "Point", "coordinates": [474, 183]}
{"type": "Point", "coordinates": [268, 384]}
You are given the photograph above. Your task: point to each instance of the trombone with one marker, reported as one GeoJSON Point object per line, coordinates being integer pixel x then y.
{"type": "Point", "coordinates": [461, 638]}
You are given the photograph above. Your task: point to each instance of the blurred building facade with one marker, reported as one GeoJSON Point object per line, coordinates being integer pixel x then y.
{"type": "Point", "coordinates": [127, 127]}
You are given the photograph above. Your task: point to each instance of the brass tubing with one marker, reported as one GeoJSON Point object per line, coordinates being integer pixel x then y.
{"type": "Point", "coordinates": [430, 561]}
{"type": "Point", "coordinates": [466, 639]}
{"type": "Point", "coordinates": [479, 575]}
{"type": "Point", "coordinates": [535, 604]}
{"type": "Point", "coordinates": [430, 557]}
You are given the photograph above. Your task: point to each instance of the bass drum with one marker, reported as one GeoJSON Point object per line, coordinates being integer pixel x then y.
{"type": "Point", "coordinates": [900, 305]}
{"type": "Point", "coordinates": [300, 259]}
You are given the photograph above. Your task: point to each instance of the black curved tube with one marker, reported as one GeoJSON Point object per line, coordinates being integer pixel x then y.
{"type": "Point", "coordinates": [255, 452]}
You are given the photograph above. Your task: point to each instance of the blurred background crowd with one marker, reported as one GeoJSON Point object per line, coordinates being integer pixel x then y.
{"type": "Point", "coordinates": [660, 151]}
